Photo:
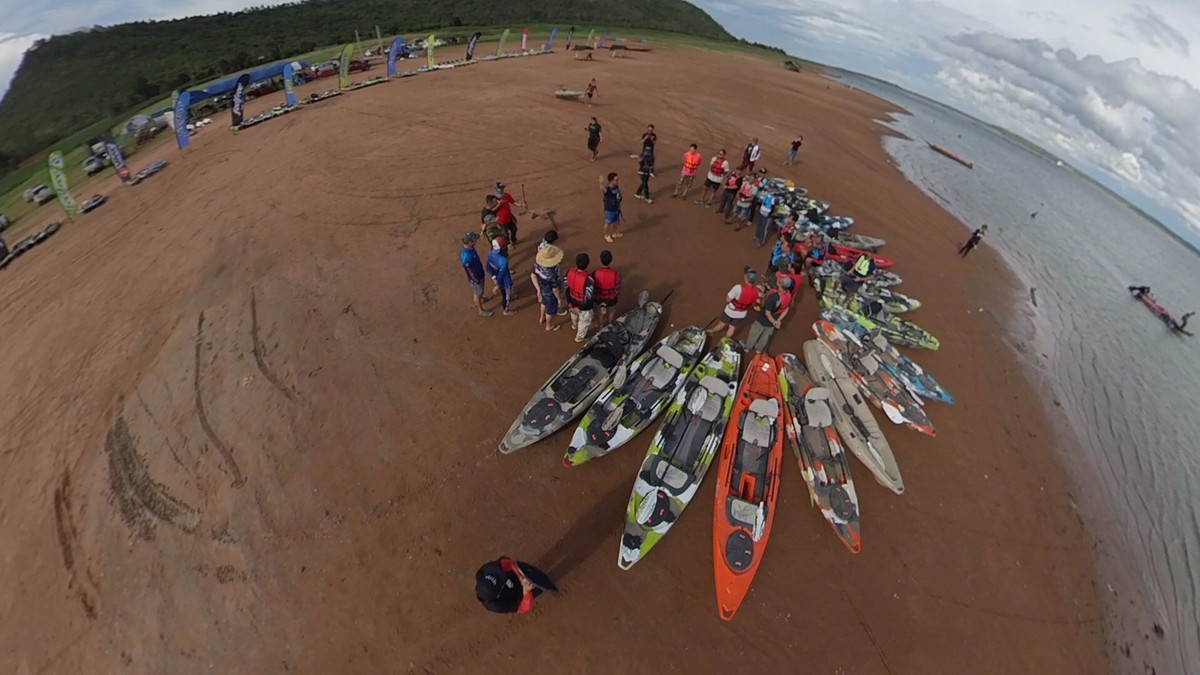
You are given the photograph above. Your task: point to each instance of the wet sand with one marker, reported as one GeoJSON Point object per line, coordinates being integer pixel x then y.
{"type": "Point", "coordinates": [252, 418]}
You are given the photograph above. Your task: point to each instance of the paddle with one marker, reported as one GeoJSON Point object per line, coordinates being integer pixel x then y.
{"type": "Point", "coordinates": [536, 577]}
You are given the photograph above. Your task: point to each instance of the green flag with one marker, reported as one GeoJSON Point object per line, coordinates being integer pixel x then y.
{"type": "Point", "coordinates": [59, 180]}
{"type": "Point", "coordinates": [503, 39]}
{"type": "Point", "coordinates": [344, 66]}
{"type": "Point", "coordinates": [591, 33]}
{"type": "Point", "coordinates": [429, 60]}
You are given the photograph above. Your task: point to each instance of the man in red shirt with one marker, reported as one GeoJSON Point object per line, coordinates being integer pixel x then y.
{"type": "Point", "coordinates": [504, 214]}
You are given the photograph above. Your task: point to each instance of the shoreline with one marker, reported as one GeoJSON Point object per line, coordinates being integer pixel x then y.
{"type": "Point", "coordinates": [300, 370]}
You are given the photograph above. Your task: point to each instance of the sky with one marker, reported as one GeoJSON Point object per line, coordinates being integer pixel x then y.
{"type": "Point", "coordinates": [1111, 85]}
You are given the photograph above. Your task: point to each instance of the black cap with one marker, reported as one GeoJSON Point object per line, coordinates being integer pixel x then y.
{"type": "Point", "coordinates": [489, 581]}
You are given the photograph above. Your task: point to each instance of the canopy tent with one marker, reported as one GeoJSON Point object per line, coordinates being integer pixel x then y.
{"type": "Point", "coordinates": [227, 85]}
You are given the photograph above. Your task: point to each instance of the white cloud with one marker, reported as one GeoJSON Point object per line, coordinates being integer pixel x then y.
{"type": "Point", "coordinates": [1113, 86]}
{"type": "Point", "coordinates": [12, 48]}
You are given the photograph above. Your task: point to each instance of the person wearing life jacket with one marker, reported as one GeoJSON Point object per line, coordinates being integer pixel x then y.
{"type": "Point", "coordinates": [738, 302]}
{"type": "Point", "coordinates": [608, 289]}
{"type": "Point", "coordinates": [864, 267]}
{"type": "Point", "coordinates": [691, 165]}
{"type": "Point", "coordinates": [775, 307]}
{"type": "Point", "coordinates": [729, 193]}
{"type": "Point", "coordinates": [581, 291]}
{"type": "Point", "coordinates": [743, 206]}
{"type": "Point", "coordinates": [718, 169]}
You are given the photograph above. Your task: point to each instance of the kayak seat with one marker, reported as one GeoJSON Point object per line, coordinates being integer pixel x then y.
{"type": "Point", "coordinates": [765, 407]}
{"type": "Point", "coordinates": [870, 363]}
{"type": "Point", "coordinates": [717, 391]}
{"type": "Point", "coordinates": [757, 430]}
{"type": "Point", "coordinates": [569, 388]}
{"type": "Point", "coordinates": [816, 407]}
{"type": "Point", "coordinates": [672, 477]}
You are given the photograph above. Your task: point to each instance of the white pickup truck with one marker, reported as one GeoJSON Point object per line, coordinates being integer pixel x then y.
{"type": "Point", "coordinates": [39, 193]}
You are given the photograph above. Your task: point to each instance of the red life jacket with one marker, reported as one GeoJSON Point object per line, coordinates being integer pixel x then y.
{"type": "Point", "coordinates": [731, 183]}
{"type": "Point", "coordinates": [785, 301]}
{"type": "Point", "coordinates": [747, 188]}
{"type": "Point", "coordinates": [607, 280]}
{"type": "Point", "coordinates": [577, 284]}
{"type": "Point", "coordinates": [717, 168]}
{"type": "Point", "coordinates": [746, 297]}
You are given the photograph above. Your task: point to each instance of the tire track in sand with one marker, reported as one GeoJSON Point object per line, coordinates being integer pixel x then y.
{"type": "Point", "coordinates": [260, 350]}
{"type": "Point", "coordinates": [226, 453]}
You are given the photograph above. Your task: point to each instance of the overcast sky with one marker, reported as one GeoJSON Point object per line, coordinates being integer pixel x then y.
{"type": "Point", "coordinates": [1110, 84]}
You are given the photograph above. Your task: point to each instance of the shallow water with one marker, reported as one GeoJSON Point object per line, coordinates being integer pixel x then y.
{"type": "Point", "coordinates": [1129, 387]}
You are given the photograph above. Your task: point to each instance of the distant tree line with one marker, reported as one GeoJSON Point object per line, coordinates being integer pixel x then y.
{"type": "Point", "coordinates": [67, 82]}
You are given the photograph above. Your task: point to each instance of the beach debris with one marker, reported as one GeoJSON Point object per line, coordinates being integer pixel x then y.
{"type": "Point", "coordinates": [1033, 296]}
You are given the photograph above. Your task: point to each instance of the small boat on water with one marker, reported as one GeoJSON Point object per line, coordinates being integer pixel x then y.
{"type": "Point", "coordinates": [942, 151]}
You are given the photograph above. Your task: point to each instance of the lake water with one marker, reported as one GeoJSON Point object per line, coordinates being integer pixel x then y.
{"type": "Point", "coordinates": [1129, 387]}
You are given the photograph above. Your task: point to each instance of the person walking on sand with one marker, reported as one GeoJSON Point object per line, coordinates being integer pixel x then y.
{"type": "Point", "coordinates": [794, 151]}
{"type": "Point", "coordinates": [581, 293]}
{"type": "Point", "coordinates": [738, 301]}
{"type": "Point", "coordinates": [590, 92]}
{"type": "Point", "coordinates": [498, 270]}
{"type": "Point", "coordinates": [468, 257]}
{"type": "Point", "coordinates": [608, 289]}
{"type": "Point", "coordinates": [750, 155]}
{"type": "Point", "coordinates": [691, 165]}
{"type": "Point", "coordinates": [504, 214]}
{"type": "Point", "coordinates": [507, 586]}
{"type": "Point", "coordinates": [547, 281]}
{"type": "Point", "coordinates": [612, 206]}
{"type": "Point", "coordinates": [976, 237]}
{"type": "Point", "coordinates": [718, 169]}
{"type": "Point", "coordinates": [594, 137]}
{"type": "Point", "coordinates": [645, 171]}
{"type": "Point", "coordinates": [774, 308]}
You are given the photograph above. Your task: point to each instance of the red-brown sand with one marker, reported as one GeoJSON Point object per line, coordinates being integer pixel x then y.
{"type": "Point", "coordinates": [251, 419]}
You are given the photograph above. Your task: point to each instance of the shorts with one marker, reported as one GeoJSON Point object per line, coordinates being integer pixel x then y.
{"type": "Point", "coordinates": [550, 303]}
{"type": "Point", "coordinates": [612, 217]}
{"type": "Point", "coordinates": [685, 180]}
{"type": "Point", "coordinates": [712, 184]}
{"type": "Point", "coordinates": [732, 321]}
{"type": "Point", "coordinates": [589, 95]}
{"type": "Point", "coordinates": [742, 212]}
{"type": "Point", "coordinates": [759, 336]}
{"type": "Point", "coordinates": [476, 288]}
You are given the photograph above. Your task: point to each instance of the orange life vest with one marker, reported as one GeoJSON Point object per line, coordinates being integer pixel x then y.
{"type": "Point", "coordinates": [746, 298]}
{"type": "Point", "coordinates": [691, 162]}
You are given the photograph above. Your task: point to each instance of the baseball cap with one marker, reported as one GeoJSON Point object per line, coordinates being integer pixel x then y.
{"type": "Point", "coordinates": [751, 275]}
{"type": "Point", "coordinates": [499, 185]}
{"type": "Point", "coordinates": [489, 582]}
{"type": "Point", "coordinates": [499, 243]}
{"type": "Point", "coordinates": [470, 237]}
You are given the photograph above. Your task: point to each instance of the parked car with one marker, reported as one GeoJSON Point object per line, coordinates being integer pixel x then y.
{"type": "Point", "coordinates": [39, 194]}
{"type": "Point", "coordinates": [93, 165]}
{"type": "Point", "coordinates": [4, 222]}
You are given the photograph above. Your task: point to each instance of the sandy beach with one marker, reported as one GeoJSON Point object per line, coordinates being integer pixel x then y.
{"type": "Point", "coordinates": [252, 418]}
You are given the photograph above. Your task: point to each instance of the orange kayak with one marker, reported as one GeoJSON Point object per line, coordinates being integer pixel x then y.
{"type": "Point", "coordinates": [748, 483]}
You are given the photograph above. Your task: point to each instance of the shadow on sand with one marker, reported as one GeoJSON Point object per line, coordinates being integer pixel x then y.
{"type": "Point", "coordinates": [601, 523]}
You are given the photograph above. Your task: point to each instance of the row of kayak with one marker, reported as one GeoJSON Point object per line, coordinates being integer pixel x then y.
{"type": "Point", "coordinates": [818, 404]}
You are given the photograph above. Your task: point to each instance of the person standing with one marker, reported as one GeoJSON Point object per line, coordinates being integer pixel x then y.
{"type": "Point", "coordinates": [547, 281]}
{"type": "Point", "coordinates": [468, 257]}
{"type": "Point", "coordinates": [645, 171]}
{"type": "Point", "coordinates": [498, 270]}
{"type": "Point", "coordinates": [691, 165]}
{"type": "Point", "coordinates": [729, 193]}
{"type": "Point", "coordinates": [590, 92]}
{"type": "Point", "coordinates": [608, 288]}
{"type": "Point", "coordinates": [504, 214]}
{"type": "Point", "coordinates": [745, 199]}
{"type": "Point", "coordinates": [594, 138]}
{"type": "Point", "coordinates": [507, 586]}
{"type": "Point", "coordinates": [718, 168]}
{"type": "Point", "coordinates": [774, 308]}
{"type": "Point", "coordinates": [738, 301]}
{"type": "Point", "coordinates": [976, 237]}
{"type": "Point", "coordinates": [612, 206]}
{"type": "Point", "coordinates": [750, 155]}
{"type": "Point", "coordinates": [581, 293]}
{"type": "Point", "coordinates": [649, 140]}
{"type": "Point", "coordinates": [795, 150]}
{"type": "Point", "coordinates": [763, 221]}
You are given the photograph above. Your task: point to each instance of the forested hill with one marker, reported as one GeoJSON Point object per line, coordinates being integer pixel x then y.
{"type": "Point", "coordinates": [70, 81]}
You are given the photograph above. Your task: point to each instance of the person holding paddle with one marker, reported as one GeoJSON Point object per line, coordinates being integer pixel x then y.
{"type": "Point", "coordinates": [506, 586]}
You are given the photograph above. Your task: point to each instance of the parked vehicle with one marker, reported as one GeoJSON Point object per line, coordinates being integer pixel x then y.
{"type": "Point", "coordinates": [93, 165]}
{"type": "Point", "coordinates": [4, 222]}
{"type": "Point", "coordinates": [39, 194]}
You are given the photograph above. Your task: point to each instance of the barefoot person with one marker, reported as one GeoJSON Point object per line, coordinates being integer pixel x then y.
{"type": "Point", "coordinates": [608, 288]}
{"type": "Point", "coordinates": [691, 165]}
{"type": "Point", "coordinates": [498, 270]}
{"type": "Point", "coordinates": [507, 586]}
{"type": "Point", "coordinates": [468, 257]}
{"type": "Point", "coordinates": [581, 294]}
{"type": "Point", "coordinates": [594, 138]}
{"type": "Point", "coordinates": [547, 281]}
{"type": "Point", "coordinates": [738, 302]}
{"type": "Point", "coordinates": [718, 169]}
{"type": "Point", "coordinates": [612, 206]}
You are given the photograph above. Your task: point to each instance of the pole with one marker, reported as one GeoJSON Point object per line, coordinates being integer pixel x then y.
{"type": "Point", "coordinates": [379, 37]}
{"type": "Point", "coordinates": [358, 42]}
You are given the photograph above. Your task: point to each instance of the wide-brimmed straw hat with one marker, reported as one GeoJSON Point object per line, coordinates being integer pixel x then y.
{"type": "Point", "coordinates": [549, 256]}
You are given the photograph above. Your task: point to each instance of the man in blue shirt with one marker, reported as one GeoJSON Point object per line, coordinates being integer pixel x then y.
{"type": "Point", "coordinates": [612, 207]}
{"type": "Point", "coordinates": [473, 266]}
{"type": "Point", "coordinates": [497, 267]}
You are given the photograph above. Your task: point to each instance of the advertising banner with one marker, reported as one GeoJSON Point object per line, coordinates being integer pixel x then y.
{"type": "Point", "coordinates": [238, 109]}
{"type": "Point", "coordinates": [59, 180]}
{"type": "Point", "coordinates": [344, 66]}
{"type": "Point", "coordinates": [180, 103]}
{"type": "Point", "coordinates": [289, 84]}
{"type": "Point", "coordinates": [550, 40]}
{"type": "Point", "coordinates": [394, 53]}
{"type": "Point", "coordinates": [503, 39]}
{"type": "Point", "coordinates": [471, 45]}
{"type": "Point", "coordinates": [113, 150]}
{"type": "Point", "coordinates": [429, 60]}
